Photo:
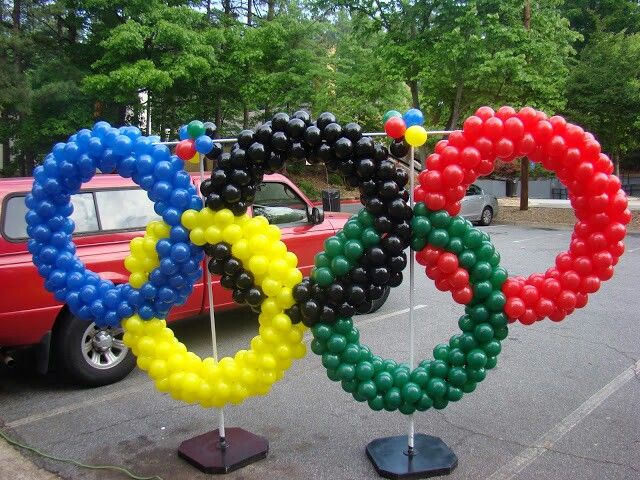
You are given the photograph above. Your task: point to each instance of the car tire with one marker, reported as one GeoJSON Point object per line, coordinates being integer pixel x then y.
{"type": "Point", "coordinates": [91, 356]}
{"type": "Point", "coordinates": [376, 304]}
{"type": "Point", "coordinates": [486, 216]}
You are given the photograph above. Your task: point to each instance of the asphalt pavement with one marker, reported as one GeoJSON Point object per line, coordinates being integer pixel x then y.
{"type": "Point", "coordinates": [561, 404]}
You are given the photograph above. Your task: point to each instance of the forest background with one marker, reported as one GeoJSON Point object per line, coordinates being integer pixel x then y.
{"type": "Point", "coordinates": [66, 63]}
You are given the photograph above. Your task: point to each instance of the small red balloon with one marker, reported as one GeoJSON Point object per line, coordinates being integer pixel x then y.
{"type": "Point", "coordinates": [472, 127]}
{"type": "Point", "coordinates": [186, 149]}
{"type": "Point", "coordinates": [493, 128]}
{"type": "Point", "coordinates": [447, 263]}
{"type": "Point", "coordinates": [395, 127]}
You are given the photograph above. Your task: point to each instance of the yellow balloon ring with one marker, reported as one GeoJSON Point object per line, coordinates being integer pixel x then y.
{"type": "Point", "coordinates": [183, 374]}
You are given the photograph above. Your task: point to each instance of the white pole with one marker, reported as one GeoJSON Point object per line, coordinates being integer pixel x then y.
{"type": "Point", "coordinates": [212, 319]}
{"type": "Point", "coordinates": [411, 302]}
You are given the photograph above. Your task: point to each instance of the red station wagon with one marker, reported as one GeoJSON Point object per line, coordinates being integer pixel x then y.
{"type": "Point", "coordinates": [109, 211]}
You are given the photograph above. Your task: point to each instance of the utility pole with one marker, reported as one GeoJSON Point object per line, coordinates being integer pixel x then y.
{"type": "Point", "coordinates": [524, 162]}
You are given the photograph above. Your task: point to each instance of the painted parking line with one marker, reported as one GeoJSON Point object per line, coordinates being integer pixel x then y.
{"type": "Point", "coordinates": [549, 439]}
{"type": "Point", "coordinates": [538, 237]}
{"type": "Point", "coordinates": [72, 407]}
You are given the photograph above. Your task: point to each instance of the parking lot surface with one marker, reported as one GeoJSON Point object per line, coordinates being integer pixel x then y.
{"type": "Point", "coordinates": [563, 401]}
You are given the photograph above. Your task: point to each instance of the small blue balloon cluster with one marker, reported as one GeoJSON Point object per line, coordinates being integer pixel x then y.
{"type": "Point", "coordinates": [127, 152]}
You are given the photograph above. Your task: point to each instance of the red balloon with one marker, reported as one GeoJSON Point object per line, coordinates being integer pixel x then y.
{"type": "Point", "coordinates": [559, 124]}
{"type": "Point", "coordinates": [453, 209]}
{"type": "Point", "coordinates": [570, 280]}
{"type": "Point", "coordinates": [590, 284]}
{"type": "Point", "coordinates": [581, 300]}
{"type": "Point", "coordinates": [470, 157]}
{"type": "Point", "coordinates": [458, 140]}
{"type": "Point", "coordinates": [419, 194]}
{"type": "Point", "coordinates": [186, 149]}
{"type": "Point", "coordinates": [504, 148]}
{"type": "Point", "coordinates": [447, 263]}
{"type": "Point", "coordinates": [472, 127]}
{"type": "Point", "coordinates": [434, 162]}
{"type": "Point", "coordinates": [450, 155]}
{"type": "Point", "coordinates": [440, 146]}
{"type": "Point", "coordinates": [435, 201]}
{"type": "Point", "coordinates": [571, 158]}
{"type": "Point", "coordinates": [528, 116]}
{"type": "Point", "coordinates": [484, 146]}
{"type": "Point", "coordinates": [591, 150]}
{"type": "Point", "coordinates": [470, 176]}
{"type": "Point", "coordinates": [598, 184]}
{"type": "Point", "coordinates": [530, 295]}
{"type": "Point", "coordinates": [493, 128]}
{"type": "Point", "coordinates": [459, 278]}
{"type": "Point", "coordinates": [551, 288]}
{"type": "Point", "coordinates": [544, 307]}
{"type": "Point", "coordinates": [567, 300]}
{"type": "Point", "coordinates": [597, 242]}
{"type": "Point", "coordinates": [505, 113]}
{"type": "Point", "coordinates": [485, 167]}
{"type": "Point", "coordinates": [543, 132]}
{"type": "Point", "coordinates": [574, 135]}
{"type": "Point", "coordinates": [395, 127]}
{"type": "Point", "coordinates": [433, 273]}
{"type": "Point", "coordinates": [453, 175]}
{"type": "Point", "coordinates": [602, 260]}
{"type": "Point", "coordinates": [485, 113]}
{"type": "Point", "coordinates": [514, 128]}
{"type": "Point", "coordinates": [432, 181]}
{"type": "Point", "coordinates": [453, 194]}
{"type": "Point", "coordinates": [615, 232]}
{"type": "Point", "coordinates": [526, 145]}
{"type": "Point", "coordinates": [557, 146]}
{"type": "Point", "coordinates": [529, 317]}
{"type": "Point", "coordinates": [511, 288]}
{"type": "Point", "coordinates": [442, 284]}
{"type": "Point", "coordinates": [463, 295]}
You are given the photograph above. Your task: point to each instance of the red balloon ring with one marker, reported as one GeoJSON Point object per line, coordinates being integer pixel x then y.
{"type": "Point", "coordinates": [599, 203]}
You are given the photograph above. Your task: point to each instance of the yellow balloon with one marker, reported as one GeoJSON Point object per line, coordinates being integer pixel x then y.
{"type": "Point", "coordinates": [415, 135]}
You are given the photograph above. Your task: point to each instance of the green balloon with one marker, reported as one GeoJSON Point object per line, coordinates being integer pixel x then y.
{"type": "Point", "coordinates": [473, 239]}
{"type": "Point", "coordinates": [440, 219]}
{"type": "Point", "coordinates": [441, 352]}
{"type": "Point", "coordinates": [367, 389]}
{"type": "Point", "coordinates": [370, 237]}
{"type": "Point", "coordinates": [483, 332]}
{"type": "Point", "coordinates": [196, 129]}
{"type": "Point", "coordinates": [358, 397]}
{"type": "Point", "coordinates": [384, 381]}
{"type": "Point", "coordinates": [477, 375]}
{"type": "Point", "coordinates": [346, 371]}
{"type": "Point", "coordinates": [454, 341]}
{"type": "Point", "coordinates": [495, 259]}
{"type": "Point", "coordinates": [481, 271]}
{"type": "Point", "coordinates": [352, 230]}
{"type": "Point", "coordinates": [323, 276]}
{"type": "Point", "coordinates": [485, 251]}
{"type": "Point", "coordinates": [321, 331]}
{"type": "Point", "coordinates": [353, 335]}
{"type": "Point", "coordinates": [498, 277]}
{"type": "Point", "coordinates": [350, 354]}
{"type": "Point", "coordinates": [466, 324]}
{"type": "Point", "coordinates": [318, 347]}
{"type": "Point", "coordinates": [420, 376]}
{"type": "Point", "coordinates": [364, 371]}
{"type": "Point", "coordinates": [478, 313]}
{"type": "Point", "coordinates": [454, 394]}
{"type": "Point", "coordinates": [498, 320]}
{"type": "Point", "coordinates": [376, 403]}
{"type": "Point", "coordinates": [493, 348]}
{"type": "Point", "coordinates": [455, 245]}
{"type": "Point", "coordinates": [343, 325]}
{"type": "Point", "coordinates": [457, 376]}
{"type": "Point", "coordinates": [365, 354]}
{"type": "Point", "coordinates": [457, 357]}
{"type": "Point", "coordinates": [378, 364]}
{"type": "Point", "coordinates": [389, 114]}
{"type": "Point", "coordinates": [436, 388]}
{"type": "Point", "coordinates": [333, 246]}
{"type": "Point", "coordinates": [467, 342]}
{"type": "Point", "coordinates": [469, 387]}
{"type": "Point", "coordinates": [457, 227]}
{"type": "Point", "coordinates": [438, 237]}
{"type": "Point", "coordinates": [337, 343]}
{"type": "Point", "coordinates": [467, 259]}
{"type": "Point", "coordinates": [401, 376]}
{"type": "Point", "coordinates": [365, 218]}
{"type": "Point", "coordinates": [333, 375]}
{"type": "Point", "coordinates": [421, 225]}
{"type": "Point", "coordinates": [353, 249]}
{"type": "Point", "coordinates": [411, 392]}
{"type": "Point", "coordinates": [439, 368]}
{"type": "Point", "coordinates": [501, 333]}
{"type": "Point", "coordinates": [330, 361]}
{"type": "Point", "coordinates": [440, 403]}
{"type": "Point", "coordinates": [418, 243]}
{"type": "Point", "coordinates": [481, 290]}
{"type": "Point", "coordinates": [407, 408]}
{"type": "Point", "coordinates": [424, 404]}
{"type": "Point", "coordinates": [321, 260]}
{"type": "Point", "coordinates": [390, 365]}
{"type": "Point", "coordinates": [349, 386]}
{"type": "Point", "coordinates": [476, 359]}
{"type": "Point", "coordinates": [420, 209]}
{"type": "Point", "coordinates": [491, 363]}
{"type": "Point", "coordinates": [496, 301]}
{"type": "Point", "coordinates": [340, 265]}
{"type": "Point", "coordinates": [392, 399]}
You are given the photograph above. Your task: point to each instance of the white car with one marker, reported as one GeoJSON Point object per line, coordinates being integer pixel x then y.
{"type": "Point", "coordinates": [478, 206]}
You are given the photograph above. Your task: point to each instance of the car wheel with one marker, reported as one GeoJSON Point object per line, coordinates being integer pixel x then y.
{"type": "Point", "coordinates": [92, 356]}
{"type": "Point", "coordinates": [486, 216]}
{"type": "Point", "coordinates": [376, 304]}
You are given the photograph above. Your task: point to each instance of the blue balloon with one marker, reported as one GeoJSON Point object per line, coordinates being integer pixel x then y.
{"type": "Point", "coordinates": [110, 137]}
{"type": "Point", "coordinates": [58, 150]}
{"type": "Point", "coordinates": [204, 144]}
{"type": "Point", "coordinates": [122, 145]}
{"type": "Point", "coordinates": [180, 252]}
{"type": "Point", "coordinates": [182, 133]}
{"type": "Point", "coordinates": [100, 129]}
{"type": "Point", "coordinates": [412, 117]}
{"type": "Point", "coordinates": [145, 164]}
{"type": "Point", "coordinates": [161, 152]}
{"type": "Point", "coordinates": [163, 171]}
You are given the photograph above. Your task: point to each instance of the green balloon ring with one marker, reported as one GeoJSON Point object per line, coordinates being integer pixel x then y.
{"type": "Point", "coordinates": [458, 365]}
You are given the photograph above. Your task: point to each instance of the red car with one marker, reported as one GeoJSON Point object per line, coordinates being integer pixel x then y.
{"type": "Point", "coordinates": [108, 212]}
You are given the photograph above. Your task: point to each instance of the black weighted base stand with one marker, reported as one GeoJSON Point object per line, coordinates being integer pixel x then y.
{"type": "Point", "coordinates": [430, 457]}
{"type": "Point", "coordinates": [211, 454]}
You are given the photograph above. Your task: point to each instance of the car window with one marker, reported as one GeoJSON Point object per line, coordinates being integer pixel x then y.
{"type": "Point", "coordinates": [279, 204]}
{"type": "Point", "coordinates": [84, 215]}
{"type": "Point", "coordinates": [125, 209]}
{"type": "Point", "coordinates": [473, 190]}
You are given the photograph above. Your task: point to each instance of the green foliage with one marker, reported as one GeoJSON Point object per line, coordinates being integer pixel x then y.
{"type": "Point", "coordinates": [336, 179]}
{"type": "Point", "coordinates": [309, 189]}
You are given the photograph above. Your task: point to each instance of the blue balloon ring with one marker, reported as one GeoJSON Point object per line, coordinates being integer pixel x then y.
{"type": "Point", "coordinates": [125, 151]}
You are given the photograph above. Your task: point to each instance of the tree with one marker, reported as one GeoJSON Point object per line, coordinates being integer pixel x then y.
{"type": "Point", "coordinates": [604, 92]}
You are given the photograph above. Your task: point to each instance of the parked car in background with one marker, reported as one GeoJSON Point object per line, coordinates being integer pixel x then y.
{"type": "Point", "coordinates": [478, 206]}
{"type": "Point", "coordinates": [109, 212]}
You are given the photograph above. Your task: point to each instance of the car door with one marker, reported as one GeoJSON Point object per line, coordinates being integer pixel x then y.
{"type": "Point", "coordinates": [284, 207]}
{"type": "Point", "coordinates": [472, 203]}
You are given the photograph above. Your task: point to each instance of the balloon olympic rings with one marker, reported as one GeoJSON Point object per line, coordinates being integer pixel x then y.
{"type": "Point", "coordinates": [50, 229]}
{"type": "Point", "coordinates": [357, 265]}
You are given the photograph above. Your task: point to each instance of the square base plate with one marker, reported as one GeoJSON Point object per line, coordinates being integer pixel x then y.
{"type": "Point", "coordinates": [206, 454]}
{"type": "Point", "coordinates": [431, 457]}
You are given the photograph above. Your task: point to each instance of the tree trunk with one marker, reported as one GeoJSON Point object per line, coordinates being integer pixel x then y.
{"type": "Point", "coordinates": [271, 5]}
{"type": "Point", "coordinates": [455, 108]}
{"type": "Point", "coordinates": [524, 163]}
{"type": "Point", "coordinates": [208, 9]}
{"type": "Point", "coordinates": [249, 12]}
{"type": "Point", "coordinates": [226, 5]}
{"type": "Point", "coordinates": [16, 14]}
{"type": "Point", "coordinates": [245, 116]}
{"type": "Point", "coordinates": [413, 86]}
